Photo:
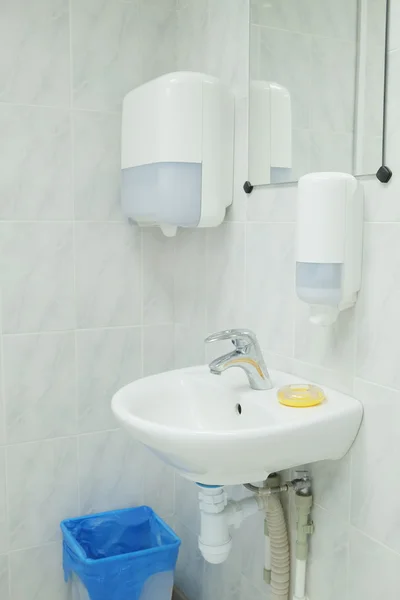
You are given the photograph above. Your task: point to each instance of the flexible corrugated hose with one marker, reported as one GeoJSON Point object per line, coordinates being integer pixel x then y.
{"type": "Point", "coordinates": [280, 555]}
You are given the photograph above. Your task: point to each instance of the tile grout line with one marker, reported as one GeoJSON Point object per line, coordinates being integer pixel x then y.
{"type": "Point", "coordinates": [86, 329]}
{"type": "Point", "coordinates": [60, 437]}
{"type": "Point", "coordinates": [374, 540]}
{"type": "Point", "coordinates": [174, 296]}
{"type": "Point", "coordinates": [141, 233]}
{"type": "Point", "coordinates": [348, 557]}
{"type": "Point", "coordinates": [73, 190]}
{"type": "Point", "coordinates": [60, 108]}
{"type": "Point", "coordinates": [375, 384]}
{"type": "Point", "coordinates": [121, 222]}
{"type": "Point", "coordinates": [5, 454]}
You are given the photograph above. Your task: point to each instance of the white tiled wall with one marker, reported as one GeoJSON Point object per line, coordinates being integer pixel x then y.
{"type": "Point", "coordinates": [78, 319]}
{"type": "Point", "coordinates": [89, 303]}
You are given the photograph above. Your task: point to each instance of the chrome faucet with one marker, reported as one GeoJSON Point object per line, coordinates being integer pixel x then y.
{"type": "Point", "coordinates": [247, 355]}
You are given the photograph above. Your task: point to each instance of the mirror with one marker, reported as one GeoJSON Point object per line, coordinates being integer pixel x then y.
{"type": "Point", "coordinates": [317, 88]}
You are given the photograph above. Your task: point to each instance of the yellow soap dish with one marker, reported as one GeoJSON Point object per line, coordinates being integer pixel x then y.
{"type": "Point", "coordinates": [301, 395]}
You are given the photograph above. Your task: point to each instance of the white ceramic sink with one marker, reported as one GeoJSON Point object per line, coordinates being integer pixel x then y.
{"type": "Point", "coordinates": [216, 430]}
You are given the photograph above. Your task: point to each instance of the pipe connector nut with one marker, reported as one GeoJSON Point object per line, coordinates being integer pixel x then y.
{"type": "Point", "coordinates": [213, 503]}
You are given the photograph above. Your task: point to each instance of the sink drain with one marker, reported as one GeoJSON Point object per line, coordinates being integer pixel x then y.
{"type": "Point", "coordinates": [238, 409]}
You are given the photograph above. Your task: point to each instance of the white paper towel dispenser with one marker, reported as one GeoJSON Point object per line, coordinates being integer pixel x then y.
{"type": "Point", "coordinates": [270, 133]}
{"type": "Point", "coordinates": [177, 152]}
{"type": "Point", "coordinates": [329, 243]}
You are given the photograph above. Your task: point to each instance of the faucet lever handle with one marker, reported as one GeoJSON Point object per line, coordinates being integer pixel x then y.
{"type": "Point", "coordinates": [241, 338]}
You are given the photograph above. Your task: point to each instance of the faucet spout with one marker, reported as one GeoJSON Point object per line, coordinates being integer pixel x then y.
{"type": "Point", "coordinates": [219, 365]}
{"type": "Point", "coordinates": [247, 356]}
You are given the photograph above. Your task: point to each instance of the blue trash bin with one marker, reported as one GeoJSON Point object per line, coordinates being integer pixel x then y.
{"type": "Point", "coordinates": [125, 554]}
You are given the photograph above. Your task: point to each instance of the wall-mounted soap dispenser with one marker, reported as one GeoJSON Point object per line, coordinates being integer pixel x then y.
{"type": "Point", "coordinates": [177, 152]}
{"type": "Point", "coordinates": [329, 243]}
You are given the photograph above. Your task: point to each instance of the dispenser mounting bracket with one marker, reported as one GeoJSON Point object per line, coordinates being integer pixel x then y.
{"type": "Point", "coordinates": [248, 187]}
{"type": "Point", "coordinates": [384, 174]}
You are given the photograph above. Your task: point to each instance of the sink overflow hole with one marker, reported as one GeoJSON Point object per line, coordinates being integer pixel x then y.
{"type": "Point", "coordinates": [238, 409]}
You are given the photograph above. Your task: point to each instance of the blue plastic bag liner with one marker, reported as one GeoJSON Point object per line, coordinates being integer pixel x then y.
{"type": "Point", "coordinates": [157, 587]}
{"type": "Point", "coordinates": [115, 553]}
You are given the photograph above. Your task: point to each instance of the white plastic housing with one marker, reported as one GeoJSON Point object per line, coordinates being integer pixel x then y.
{"type": "Point", "coordinates": [177, 152]}
{"type": "Point", "coordinates": [329, 243]}
{"type": "Point", "coordinates": [270, 133]}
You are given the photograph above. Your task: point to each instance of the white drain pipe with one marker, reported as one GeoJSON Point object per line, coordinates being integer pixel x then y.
{"type": "Point", "coordinates": [217, 515]}
{"type": "Point", "coordinates": [305, 528]}
{"type": "Point", "coordinates": [300, 580]}
{"type": "Point", "coordinates": [215, 542]}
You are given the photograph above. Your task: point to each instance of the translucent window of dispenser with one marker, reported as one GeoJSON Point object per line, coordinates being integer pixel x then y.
{"type": "Point", "coordinates": [167, 192]}
{"type": "Point", "coordinates": [318, 283]}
